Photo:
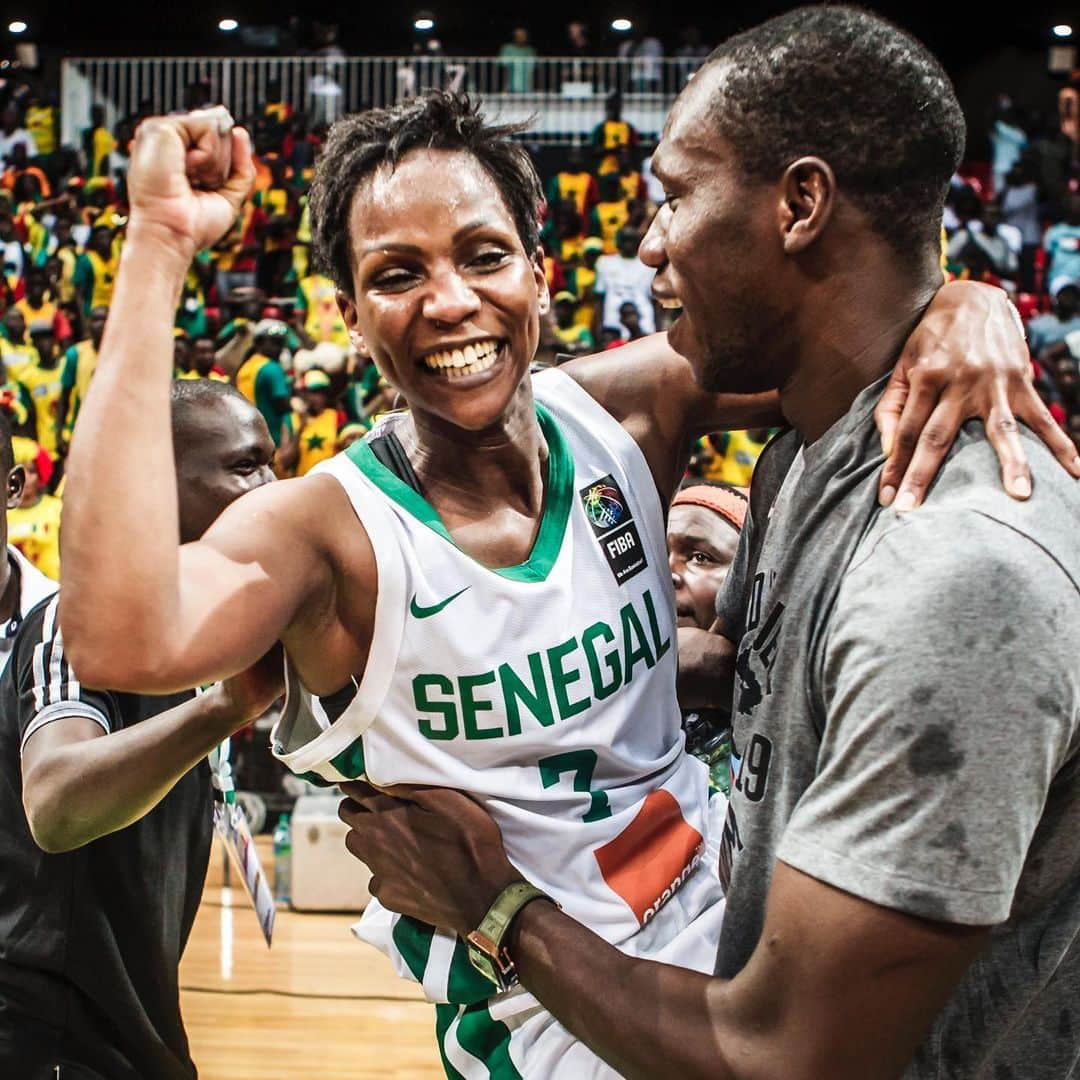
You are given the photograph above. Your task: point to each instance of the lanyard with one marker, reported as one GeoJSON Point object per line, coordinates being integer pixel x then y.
{"type": "Point", "coordinates": [221, 776]}
{"type": "Point", "coordinates": [232, 826]}
{"type": "Point", "coordinates": [221, 771]}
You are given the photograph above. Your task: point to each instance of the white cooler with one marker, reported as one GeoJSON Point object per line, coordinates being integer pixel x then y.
{"type": "Point", "coordinates": [325, 877]}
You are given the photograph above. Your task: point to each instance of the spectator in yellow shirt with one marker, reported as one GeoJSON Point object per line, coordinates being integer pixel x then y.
{"type": "Point", "coordinates": [80, 362]}
{"type": "Point", "coordinates": [39, 306]}
{"type": "Point", "coordinates": [203, 362]}
{"type": "Point", "coordinates": [734, 454]}
{"type": "Point", "coordinates": [315, 424]}
{"type": "Point", "coordinates": [98, 143]}
{"type": "Point", "coordinates": [15, 350]}
{"type": "Point", "coordinates": [573, 338]}
{"type": "Point", "coordinates": [43, 380]}
{"type": "Point", "coordinates": [41, 122]}
{"type": "Point", "coordinates": [95, 269]}
{"type": "Point", "coordinates": [34, 525]}
{"type": "Point", "coordinates": [317, 311]}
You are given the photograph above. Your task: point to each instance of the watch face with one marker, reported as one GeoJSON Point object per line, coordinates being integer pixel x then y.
{"type": "Point", "coordinates": [482, 963]}
{"type": "Point", "coordinates": [491, 961]}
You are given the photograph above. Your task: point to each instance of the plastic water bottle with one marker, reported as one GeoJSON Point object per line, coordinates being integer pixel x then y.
{"type": "Point", "coordinates": [283, 860]}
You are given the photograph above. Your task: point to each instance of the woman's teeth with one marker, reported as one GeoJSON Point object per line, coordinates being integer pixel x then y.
{"type": "Point", "coordinates": [470, 360]}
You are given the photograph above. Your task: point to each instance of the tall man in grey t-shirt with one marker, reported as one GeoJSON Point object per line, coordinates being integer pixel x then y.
{"type": "Point", "coordinates": [901, 849]}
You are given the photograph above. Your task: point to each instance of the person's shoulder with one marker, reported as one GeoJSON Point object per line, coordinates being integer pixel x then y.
{"type": "Point", "coordinates": [969, 533]}
{"type": "Point", "coordinates": [40, 621]}
{"type": "Point", "coordinates": [309, 507]}
{"type": "Point", "coordinates": [38, 626]}
{"type": "Point", "coordinates": [271, 370]}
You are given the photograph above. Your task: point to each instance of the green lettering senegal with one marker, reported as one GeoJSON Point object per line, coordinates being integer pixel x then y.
{"type": "Point", "coordinates": [551, 684]}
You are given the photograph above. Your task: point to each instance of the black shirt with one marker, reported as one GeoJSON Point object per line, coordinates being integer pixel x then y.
{"type": "Point", "coordinates": [90, 940]}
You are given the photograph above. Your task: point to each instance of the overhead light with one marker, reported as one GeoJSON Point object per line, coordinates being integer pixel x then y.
{"type": "Point", "coordinates": [17, 27]}
{"type": "Point", "coordinates": [1063, 30]}
{"type": "Point", "coordinates": [227, 25]}
{"type": "Point", "coordinates": [424, 23]}
{"type": "Point", "coordinates": [621, 25]}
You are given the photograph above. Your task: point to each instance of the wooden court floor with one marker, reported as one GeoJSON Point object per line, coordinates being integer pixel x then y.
{"type": "Point", "coordinates": [319, 1005]}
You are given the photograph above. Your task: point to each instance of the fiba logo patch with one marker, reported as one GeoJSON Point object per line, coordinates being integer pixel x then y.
{"type": "Point", "coordinates": [604, 505]}
{"type": "Point", "coordinates": [609, 515]}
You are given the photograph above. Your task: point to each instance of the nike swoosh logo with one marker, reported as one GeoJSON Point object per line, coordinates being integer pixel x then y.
{"type": "Point", "coordinates": [426, 612]}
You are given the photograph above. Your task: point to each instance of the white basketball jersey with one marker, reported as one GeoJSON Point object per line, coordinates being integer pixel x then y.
{"type": "Point", "coordinates": [545, 690]}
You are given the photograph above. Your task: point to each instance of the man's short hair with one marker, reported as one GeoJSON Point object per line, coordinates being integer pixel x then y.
{"type": "Point", "coordinates": [438, 120]}
{"type": "Point", "coordinates": [847, 86]}
{"type": "Point", "coordinates": [189, 397]}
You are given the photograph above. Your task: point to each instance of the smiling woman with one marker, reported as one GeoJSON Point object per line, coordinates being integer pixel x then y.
{"type": "Point", "coordinates": [438, 271]}
{"type": "Point", "coordinates": [449, 311]}
{"type": "Point", "coordinates": [476, 594]}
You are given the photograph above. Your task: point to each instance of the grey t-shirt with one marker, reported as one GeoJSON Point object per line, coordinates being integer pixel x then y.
{"type": "Point", "coordinates": [906, 727]}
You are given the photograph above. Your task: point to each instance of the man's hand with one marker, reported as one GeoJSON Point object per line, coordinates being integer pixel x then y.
{"type": "Point", "coordinates": [935, 388]}
{"type": "Point", "coordinates": [434, 854]}
{"type": "Point", "coordinates": [250, 693]}
{"type": "Point", "coordinates": [706, 668]}
{"type": "Point", "coordinates": [189, 176]}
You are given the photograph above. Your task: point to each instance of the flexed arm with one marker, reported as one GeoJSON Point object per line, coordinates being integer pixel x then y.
{"type": "Point", "coordinates": [139, 612]}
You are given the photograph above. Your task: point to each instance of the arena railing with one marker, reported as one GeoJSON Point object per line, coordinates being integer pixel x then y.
{"type": "Point", "coordinates": [562, 98]}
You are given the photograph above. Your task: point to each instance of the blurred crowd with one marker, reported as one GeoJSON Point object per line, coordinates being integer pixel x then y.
{"type": "Point", "coordinates": [256, 312]}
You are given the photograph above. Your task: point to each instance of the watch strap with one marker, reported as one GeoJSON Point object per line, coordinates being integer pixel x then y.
{"type": "Point", "coordinates": [487, 953]}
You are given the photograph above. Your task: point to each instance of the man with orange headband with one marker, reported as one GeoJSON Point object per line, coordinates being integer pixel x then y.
{"type": "Point", "coordinates": [703, 535]}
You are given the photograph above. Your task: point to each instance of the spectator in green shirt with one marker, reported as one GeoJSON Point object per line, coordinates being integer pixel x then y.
{"type": "Point", "coordinates": [262, 379]}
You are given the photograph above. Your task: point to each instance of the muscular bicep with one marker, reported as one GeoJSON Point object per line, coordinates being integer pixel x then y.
{"type": "Point", "coordinates": [237, 591]}
{"type": "Point", "coordinates": [838, 986]}
{"type": "Point", "coordinates": [247, 581]}
{"type": "Point", "coordinates": [650, 389]}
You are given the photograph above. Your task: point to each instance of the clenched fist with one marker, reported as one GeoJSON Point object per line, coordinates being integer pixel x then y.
{"type": "Point", "coordinates": [188, 178]}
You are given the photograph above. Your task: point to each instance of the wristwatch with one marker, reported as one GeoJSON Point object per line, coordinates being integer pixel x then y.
{"type": "Point", "coordinates": [486, 950]}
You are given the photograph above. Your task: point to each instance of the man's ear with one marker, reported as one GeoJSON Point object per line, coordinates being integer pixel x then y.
{"type": "Point", "coordinates": [807, 195]}
{"type": "Point", "coordinates": [16, 481]}
{"type": "Point", "coordinates": [347, 307]}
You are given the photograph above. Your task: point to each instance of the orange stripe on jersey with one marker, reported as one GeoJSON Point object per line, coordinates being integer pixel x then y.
{"type": "Point", "coordinates": [648, 861]}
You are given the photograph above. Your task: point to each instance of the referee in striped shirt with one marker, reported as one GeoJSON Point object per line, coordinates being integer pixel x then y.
{"type": "Point", "coordinates": [105, 800]}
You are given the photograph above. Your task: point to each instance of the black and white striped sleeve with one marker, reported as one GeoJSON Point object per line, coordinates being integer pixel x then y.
{"type": "Point", "coordinates": [48, 688]}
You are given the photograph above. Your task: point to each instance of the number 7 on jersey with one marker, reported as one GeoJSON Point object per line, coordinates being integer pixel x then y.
{"type": "Point", "coordinates": [582, 763]}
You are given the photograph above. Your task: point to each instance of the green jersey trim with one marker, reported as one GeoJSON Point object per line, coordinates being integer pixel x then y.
{"type": "Point", "coordinates": [350, 762]}
{"type": "Point", "coordinates": [445, 1015]}
{"type": "Point", "coordinates": [465, 985]}
{"type": "Point", "coordinates": [413, 940]}
{"type": "Point", "coordinates": [464, 982]}
{"type": "Point", "coordinates": [479, 1035]}
{"type": "Point", "coordinates": [557, 501]}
